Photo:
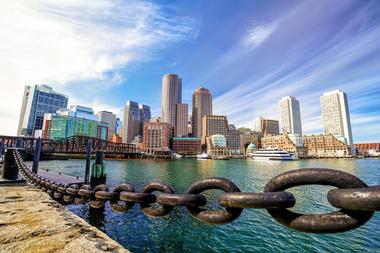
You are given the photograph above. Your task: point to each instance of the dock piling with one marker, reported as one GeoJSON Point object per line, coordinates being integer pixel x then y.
{"type": "Point", "coordinates": [98, 171]}
{"type": "Point", "coordinates": [88, 162]}
{"type": "Point", "coordinates": [36, 157]}
{"type": "Point", "coordinates": [10, 168]}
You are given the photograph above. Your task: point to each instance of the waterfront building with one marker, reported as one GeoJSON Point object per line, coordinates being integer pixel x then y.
{"type": "Point", "coordinates": [171, 95]}
{"type": "Point", "coordinates": [213, 124]}
{"type": "Point", "coordinates": [267, 126]}
{"type": "Point", "coordinates": [248, 137]}
{"type": "Point", "coordinates": [157, 137]}
{"type": "Point", "coordinates": [217, 146]}
{"type": "Point", "coordinates": [181, 124]}
{"type": "Point", "coordinates": [202, 106]}
{"type": "Point", "coordinates": [292, 143]}
{"type": "Point", "coordinates": [61, 126]}
{"type": "Point", "coordinates": [38, 100]}
{"type": "Point", "coordinates": [336, 115]}
{"type": "Point", "coordinates": [290, 115]}
{"type": "Point", "coordinates": [187, 145]}
{"type": "Point", "coordinates": [135, 115]}
{"type": "Point", "coordinates": [326, 146]}
{"type": "Point", "coordinates": [110, 119]}
{"type": "Point", "coordinates": [233, 140]}
{"type": "Point", "coordinates": [363, 149]}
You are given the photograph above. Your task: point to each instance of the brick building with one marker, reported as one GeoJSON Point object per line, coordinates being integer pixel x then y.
{"type": "Point", "coordinates": [157, 136]}
{"type": "Point", "coordinates": [187, 145]}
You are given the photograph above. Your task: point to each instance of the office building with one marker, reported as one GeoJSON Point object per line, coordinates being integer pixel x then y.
{"type": "Point", "coordinates": [38, 100]}
{"type": "Point", "coordinates": [58, 126]}
{"type": "Point", "coordinates": [292, 143]}
{"type": "Point", "coordinates": [326, 146]}
{"type": "Point", "coordinates": [157, 137]}
{"type": "Point", "coordinates": [135, 115]}
{"type": "Point", "coordinates": [202, 106]}
{"type": "Point", "coordinates": [171, 95]}
{"type": "Point", "coordinates": [267, 126]}
{"type": "Point", "coordinates": [83, 112]}
{"type": "Point", "coordinates": [217, 146]}
{"type": "Point", "coordinates": [336, 115]}
{"type": "Point", "coordinates": [290, 115]}
{"type": "Point", "coordinates": [187, 145]}
{"type": "Point", "coordinates": [212, 125]}
{"type": "Point", "coordinates": [233, 140]}
{"type": "Point", "coordinates": [181, 124]}
{"type": "Point", "coordinates": [110, 119]}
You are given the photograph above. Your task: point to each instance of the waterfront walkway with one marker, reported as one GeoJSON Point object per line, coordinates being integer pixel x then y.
{"type": "Point", "coordinates": [30, 221]}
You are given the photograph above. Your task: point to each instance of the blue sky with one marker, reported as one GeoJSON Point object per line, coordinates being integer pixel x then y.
{"type": "Point", "coordinates": [248, 53]}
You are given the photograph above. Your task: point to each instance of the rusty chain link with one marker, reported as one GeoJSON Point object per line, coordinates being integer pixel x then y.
{"type": "Point", "coordinates": [357, 201]}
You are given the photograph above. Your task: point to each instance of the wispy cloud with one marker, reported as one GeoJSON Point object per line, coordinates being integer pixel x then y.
{"type": "Point", "coordinates": [77, 42]}
{"type": "Point", "coordinates": [257, 35]}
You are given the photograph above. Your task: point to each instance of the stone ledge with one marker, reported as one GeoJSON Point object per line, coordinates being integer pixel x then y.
{"type": "Point", "coordinates": [31, 221]}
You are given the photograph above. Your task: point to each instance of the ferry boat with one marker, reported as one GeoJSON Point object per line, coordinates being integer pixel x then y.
{"type": "Point", "coordinates": [203, 156]}
{"type": "Point", "coordinates": [272, 153]}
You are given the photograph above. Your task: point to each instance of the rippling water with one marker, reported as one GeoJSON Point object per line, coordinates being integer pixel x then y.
{"type": "Point", "coordinates": [253, 231]}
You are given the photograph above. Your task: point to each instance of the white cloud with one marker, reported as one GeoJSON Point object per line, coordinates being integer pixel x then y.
{"type": "Point", "coordinates": [257, 35]}
{"type": "Point", "coordinates": [60, 42]}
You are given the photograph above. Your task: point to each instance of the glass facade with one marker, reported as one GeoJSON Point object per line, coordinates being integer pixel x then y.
{"type": "Point", "coordinates": [66, 126]}
{"type": "Point", "coordinates": [40, 99]}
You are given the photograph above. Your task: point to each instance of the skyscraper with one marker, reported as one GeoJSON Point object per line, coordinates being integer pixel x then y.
{"type": "Point", "coordinates": [181, 128]}
{"type": "Point", "coordinates": [202, 106]}
{"type": "Point", "coordinates": [336, 115]}
{"type": "Point", "coordinates": [110, 119]}
{"type": "Point", "coordinates": [214, 124]}
{"type": "Point", "coordinates": [134, 117]}
{"type": "Point", "coordinates": [171, 95]}
{"type": "Point", "coordinates": [290, 115]}
{"type": "Point", "coordinates": [38, 100]}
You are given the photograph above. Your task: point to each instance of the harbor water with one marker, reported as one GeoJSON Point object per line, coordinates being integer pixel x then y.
{"type": "Point", "coordinates": [253, 231]}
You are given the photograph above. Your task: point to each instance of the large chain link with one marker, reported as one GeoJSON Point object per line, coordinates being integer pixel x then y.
{"type": "Point", "coordinates": [357, 201]}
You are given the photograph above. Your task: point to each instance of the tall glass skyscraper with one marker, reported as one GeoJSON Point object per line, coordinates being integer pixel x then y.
{"type": "Point", "coordinates": [336, 115]}
{"type": "Point", "coordinates": [202, 106]}
{"type": "Point", "coordinates": [38, 100]}
{"type": "Point", "coordinates": [290, 115]}
{"type": "Point", "coordinates": [171, 95]}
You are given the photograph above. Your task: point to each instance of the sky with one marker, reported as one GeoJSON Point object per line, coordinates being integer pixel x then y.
{"type": "Point", "coordinates": [249, 54]}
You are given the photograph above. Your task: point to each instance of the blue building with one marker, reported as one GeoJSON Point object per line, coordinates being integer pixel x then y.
{"type": "Point", "coordinates": [38, 100]}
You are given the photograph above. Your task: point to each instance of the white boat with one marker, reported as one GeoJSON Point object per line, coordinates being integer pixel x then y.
{"type": "Point", "coordinates": [272, 154]}
{"type": "Point", "coordinates": [177, 156]}
{"type": "Point", "coordinates": [203, 156]}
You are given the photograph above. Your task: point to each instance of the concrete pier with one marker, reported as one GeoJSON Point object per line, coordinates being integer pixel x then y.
{"type": "Point", "coordinates": [30, 221]}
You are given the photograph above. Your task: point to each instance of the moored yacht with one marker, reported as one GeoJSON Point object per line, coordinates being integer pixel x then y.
{"type": "Point", "coordinates": [203, 156]}
{"type": "Point", "coordinates": [272, 153]}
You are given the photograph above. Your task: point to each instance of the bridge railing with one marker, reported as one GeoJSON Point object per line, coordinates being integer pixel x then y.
{"type": "Point", "coordinates": [75, 144]}
{"type": "Point", "coordinates": [357, 201]}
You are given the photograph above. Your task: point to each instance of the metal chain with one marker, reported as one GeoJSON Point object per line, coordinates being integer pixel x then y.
{"type": "Point", "coordinates": [356, 200]}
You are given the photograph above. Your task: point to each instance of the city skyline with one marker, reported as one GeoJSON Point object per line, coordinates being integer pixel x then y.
{"type": "Point", "coordinates": [339, 41]}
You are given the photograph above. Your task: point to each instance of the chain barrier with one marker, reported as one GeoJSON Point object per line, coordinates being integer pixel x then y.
{"type": "Point", "coordinates": [357, 201]}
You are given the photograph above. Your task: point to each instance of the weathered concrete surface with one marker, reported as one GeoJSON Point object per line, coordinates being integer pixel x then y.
{"type": "Point", "coordinates": [30, 221]}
